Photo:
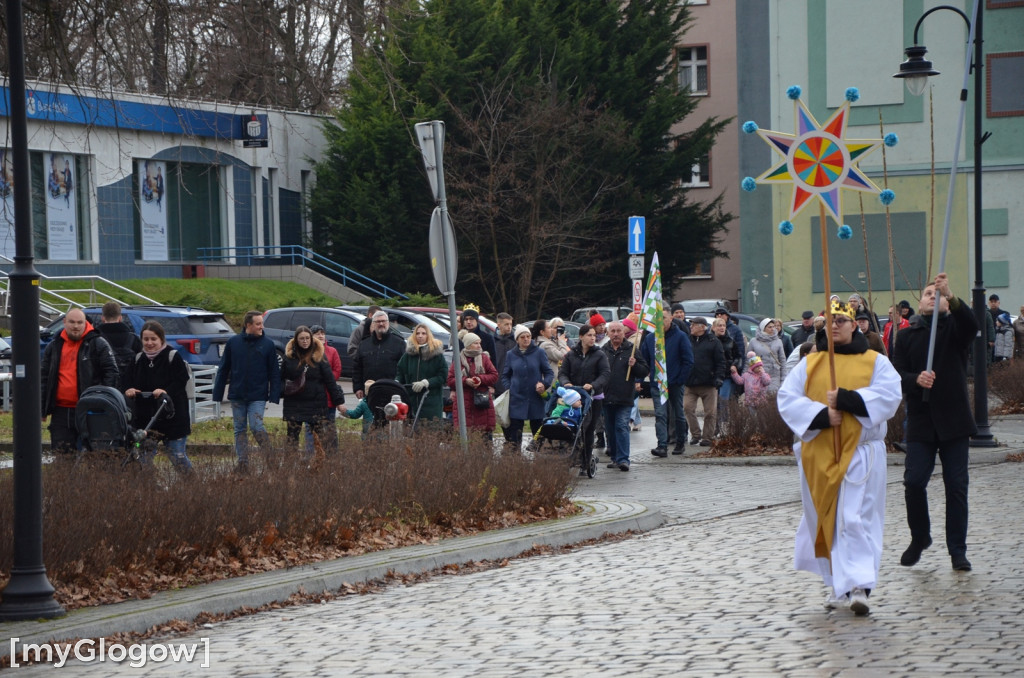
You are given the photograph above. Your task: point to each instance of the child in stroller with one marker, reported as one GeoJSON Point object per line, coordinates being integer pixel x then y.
{"type": "Point", "coordinates": [562, 430]}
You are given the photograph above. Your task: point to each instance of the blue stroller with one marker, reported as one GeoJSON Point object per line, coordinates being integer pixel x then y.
{"type": "Point", "coordinates": [563, 436]}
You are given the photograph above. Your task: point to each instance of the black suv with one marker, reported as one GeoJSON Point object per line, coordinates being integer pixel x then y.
{"type": "Point", "coordinates": [199, 335]}
{"type": "Point", "coordinates": [279, 325]}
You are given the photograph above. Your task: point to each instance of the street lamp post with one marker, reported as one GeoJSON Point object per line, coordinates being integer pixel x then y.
{"type": "Point", "coordinates": [915, 71]}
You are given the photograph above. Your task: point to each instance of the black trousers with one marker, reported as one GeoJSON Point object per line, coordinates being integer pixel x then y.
{"type": "Point", "coordinates": [920, 466]}
{"type": "Point", "coordinates": [63, 431]}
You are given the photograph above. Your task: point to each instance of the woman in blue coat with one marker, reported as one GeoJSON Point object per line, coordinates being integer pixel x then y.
{"type": "Point", "coordinates": [526, 375]}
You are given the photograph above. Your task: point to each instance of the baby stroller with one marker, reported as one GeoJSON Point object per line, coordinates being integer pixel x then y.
{"type": "Point", "coordinates": [104, 422]}
{"type": "Point", "coordinates": [381, 393]}
{"type": "Point", "coordinates": [565, 437]}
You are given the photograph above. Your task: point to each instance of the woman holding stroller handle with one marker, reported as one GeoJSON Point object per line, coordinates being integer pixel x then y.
{"type": "Point", "coordinates": [586, 367]}
{"type": "Point", "coordinates": [423, 365]}
{"type": "Point", "coordinates": [478, 376]}
{"type": "Point", "coordinates": [304, 355]}
{"type": "Point", "coordinates": [156, 372]}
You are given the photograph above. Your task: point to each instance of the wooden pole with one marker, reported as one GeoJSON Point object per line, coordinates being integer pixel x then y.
{"type": "Point", "coordinates": [836, 438]}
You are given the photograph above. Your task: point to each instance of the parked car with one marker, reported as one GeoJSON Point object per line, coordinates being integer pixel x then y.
{"type": "Point", "coordinates": [279, 325]}
{"type": "Point", "coordinates": [5, 355]}
{"type": "Point", "coordinates": [404, 321]}
{"type": "Point", "coordinates": [610, 313]}
{"type": "Point", "coordinates": [198, 334]}
{"type": "Point", "coordinates": [442, 316]}
{"type": "Point", "coordinates": [704, 307]}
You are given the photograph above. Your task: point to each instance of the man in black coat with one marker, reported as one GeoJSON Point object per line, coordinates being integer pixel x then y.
{"type": "Point", "coordinates": [941, 425]}
{"type": "Point", "coordinates": [378, 354]}
{"type": "Point", "coordinates": [705, 379]}
{"type": "Point", "coordinates": [75, 360]}
{"type": "Point", "coordinates": [619, 392]}
{"type": "Point", "coordinates": [123, 341]}
{"type": "Point", "coordinates": [806, 330]}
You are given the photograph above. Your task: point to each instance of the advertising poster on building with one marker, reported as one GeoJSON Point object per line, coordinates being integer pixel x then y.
{"type": "Point", "coordinates": [6, 204]}
{"type": "Point", "coordinates": [61, 210]}
{"type": "Point", "coordinates": [152, 210]}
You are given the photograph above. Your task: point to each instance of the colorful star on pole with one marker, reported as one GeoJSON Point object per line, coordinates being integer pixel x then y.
{"type": "Point", "coordinates": [819, 160]}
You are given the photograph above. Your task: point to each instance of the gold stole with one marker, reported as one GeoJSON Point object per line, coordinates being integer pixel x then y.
{"type": "Point", "coordinates": [824, 475]}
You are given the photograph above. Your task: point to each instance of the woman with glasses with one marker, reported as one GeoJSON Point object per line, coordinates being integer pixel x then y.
{"type": "Point", "coordinates": [306, 380]}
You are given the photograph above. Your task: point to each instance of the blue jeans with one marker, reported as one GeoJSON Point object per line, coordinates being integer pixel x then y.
{"type": "Point", "coordinates": [634, 414]}
{"type": "Point", "coordinates": [675, 401]}
{"type": "Point", "coordinates": [616, 431]}
{"type": "Point", "coordinates": [920, 462]}
{"type": "Point", "coordinates": [175, 450]}
{"type": "Point", "coordinates": [330, 440]}
{"type": "Point", "coordinates": [248, 413]}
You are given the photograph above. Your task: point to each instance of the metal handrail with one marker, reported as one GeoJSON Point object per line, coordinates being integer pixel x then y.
{"type": "Point", "coordinates": [297, 255]}
{"type": "Point", "coordinates": [47, 309]}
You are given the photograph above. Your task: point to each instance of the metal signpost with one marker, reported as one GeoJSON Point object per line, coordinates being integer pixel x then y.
{"type": "Point", "coordinates": [443, 253]}
{"type": "Point", "coordinates": [636, 234]}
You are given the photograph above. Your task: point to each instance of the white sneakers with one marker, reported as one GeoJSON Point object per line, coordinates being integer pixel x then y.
{"type": "Point", "coordinates": [857, 600]}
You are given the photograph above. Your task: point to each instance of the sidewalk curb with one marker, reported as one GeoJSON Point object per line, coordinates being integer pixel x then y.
{"type": "Point", "coordinates": [600, 517]}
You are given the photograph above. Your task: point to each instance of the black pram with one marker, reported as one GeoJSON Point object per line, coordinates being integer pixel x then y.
{"type": "Point", "coordinates": [565, 436]}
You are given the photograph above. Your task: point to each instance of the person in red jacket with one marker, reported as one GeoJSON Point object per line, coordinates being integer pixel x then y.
{"type": "Point", "coordinates": [334, 360]}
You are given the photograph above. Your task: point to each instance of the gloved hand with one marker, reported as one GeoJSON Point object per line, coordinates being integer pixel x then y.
{"type": "Point", "coordinates": [418, 386]}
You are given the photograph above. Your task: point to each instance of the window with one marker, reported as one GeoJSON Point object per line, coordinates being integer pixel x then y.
{"type": "Point", "coordinates": [60, 207]}
{"type": "Point", "coordinates": [693, 70]}
{"type": "Point", "coordinates": [701, 270]}
{"type": "Point", "coordinates": [700, 173]}
{"type": "Point", "coordinates": [178, 210]}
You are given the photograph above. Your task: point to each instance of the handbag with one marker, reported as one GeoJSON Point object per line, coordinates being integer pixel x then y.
{"type": "Point", "coordinates": [293, 386]}
{"type": "Point", "coordinates": [481, 400]}
{"type": "Point", "coordinates": [501, 409]}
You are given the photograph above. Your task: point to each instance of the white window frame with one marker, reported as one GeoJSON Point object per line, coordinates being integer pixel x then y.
{"type": "Point", "coordinates": [691, 65]}
{"type": "Point", "coordinates": [697, 175]}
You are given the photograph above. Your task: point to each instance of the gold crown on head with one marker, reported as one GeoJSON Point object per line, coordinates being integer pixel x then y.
{"type": "Point", "coordinates": [841, 308]}
{"type": "Point", "coordinates": [471, 307]}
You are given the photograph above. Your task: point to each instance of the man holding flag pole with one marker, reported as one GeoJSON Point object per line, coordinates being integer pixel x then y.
{"type": "Point", "coordinates": [667, 349]}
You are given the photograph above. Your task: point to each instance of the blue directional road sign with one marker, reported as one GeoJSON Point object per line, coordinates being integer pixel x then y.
{"type": "Point", "coordinates": [636, 235]}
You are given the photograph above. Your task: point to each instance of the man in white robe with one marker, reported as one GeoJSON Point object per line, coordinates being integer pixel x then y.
{"type": "Point", "coordinates": [843, 495]}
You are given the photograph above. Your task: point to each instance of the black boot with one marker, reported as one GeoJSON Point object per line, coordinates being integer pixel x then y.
{"type": "Point", "coordinates": [599, 442]}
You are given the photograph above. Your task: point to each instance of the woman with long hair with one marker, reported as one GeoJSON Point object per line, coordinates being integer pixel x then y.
{"type": "Point", "coordinates": [157, 372]}
{"type": "Point", "coordinates": [304, 364]}
{"type": "Point", "coordinates": [586, 366]}
{"type": "Point", "coordinates": [423, 365]}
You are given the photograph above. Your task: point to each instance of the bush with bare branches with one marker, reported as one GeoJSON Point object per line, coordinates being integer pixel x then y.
{"type": "Point", "coordinates": [111, 533]}
{"type": "Point", "coordinates": [1006, 382]}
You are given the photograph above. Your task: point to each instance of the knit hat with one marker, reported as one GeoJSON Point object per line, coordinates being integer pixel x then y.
{"type": "Point", "coordinates": [753, 360]}
{"type": "Point", "coordinates": [863, 315]}
{"type": "Point", "coordinates": [904, 304]}
{"type": "Point", "coordinates": [597, 320]}
{"type": "Point", "coordinates": [763, 324]}
{"type": "Point", "coordinates": [471, 313]}
{"type": "Point", "coordinates": [1004, 318]}
{"type": "Point", "coordinates": [630, 325]}
{"type": "Point", "coordinates": [568, 395]}
{"type": "Point", "coordinates": [367, 384]}
{"type": "Point", "coordinates": [520, 329]}
{"type": "Point", "coordinates": [677, 307]}
{"type": "Point", "coordinates": [469, 338]}
{"type": "Point", "coordinates": [722, 310]}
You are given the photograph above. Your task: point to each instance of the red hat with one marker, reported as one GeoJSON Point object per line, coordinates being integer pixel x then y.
{"type": "Point", "coordinates": [630, 324]}
{"type": "Point", "coordinates": [597, 320]}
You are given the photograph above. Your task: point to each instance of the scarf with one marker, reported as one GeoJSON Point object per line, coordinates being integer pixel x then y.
{"type": "Point", "coordinates": [478, 362]}
{"type": "Point", "coordinates": [152, 356]}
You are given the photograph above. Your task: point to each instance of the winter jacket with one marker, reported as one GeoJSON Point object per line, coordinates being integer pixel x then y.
{"type": "Point", "coordinates": [476, 418]}
{"type": "Point", "coordinates": [734, 331]}
{"type": "Point", "coordinates": [96, 366]}
{"type": "Point", "coordinates": [709, 367]}
{"type": "Point", "coordinates": [802, 335]}
{"type": "Point", "coordinates": [250, 364]}
{"type": "Point", "coordinates": [887, 340]}
{"type": "Point", "coordinates": [947, 414]}
{"type": "Point", "coordinates": [733, 356]}
{"type": "Point", "coordinates": [755, 385]}
{"type": "Point", "coordinates": [875, 342]}
{"type": "Point", "coordinates": [164, 373]}
{"type": "Point", "coordinates": [555, 351]}
{"type": "Point", "coordinates": [487, 343]}
{"type": "Point", "coordinates": [578, 369]}
{"type": "Point", "coordinates": [1004, 343]}
{"type": "Point", "coordinates": [678, 354]}
{"type": "Point", "coordinates": [358, 333]}
{"type": "Point", "coordinates": [1018, 337]}
{"type": "Point", "coordinates": [768, 348]}
{"type": "Point", "coordinates": [523, 369]}
{"type": "Point", "coordinates": [125, 344]}
{"type": "Point", "coordinates": [618, 390]}
{"type": "Point", "coordinates": [310, 403]}
{"type": "Point", "coordinates": [503, 343]}
{"type": "Point", "coordinates": [334, 360]}
{"type": "Point", "coordinates": [417, 364]}
{"type": "Point", "coordinates": [377, 358]}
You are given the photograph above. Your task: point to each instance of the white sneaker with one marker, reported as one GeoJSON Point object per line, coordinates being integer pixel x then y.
{"type": "Point", "coordinates": [859, 602]}
{"type": "Point", "coordinates": [833, 602]}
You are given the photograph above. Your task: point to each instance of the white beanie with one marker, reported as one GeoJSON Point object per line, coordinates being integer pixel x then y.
{"type": "Point", "coordinates": [764, 324]}
{"type": "Point", "coordinates": [520, 329]}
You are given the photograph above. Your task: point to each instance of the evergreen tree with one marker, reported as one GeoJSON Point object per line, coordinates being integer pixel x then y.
{"type": "Point", "coordinates": [560, 119]}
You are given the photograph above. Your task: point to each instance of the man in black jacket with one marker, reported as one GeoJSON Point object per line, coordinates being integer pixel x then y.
{"type": "Point", "coordinates": [942, 424]}
{"type": "Point", "coordinates": [377, 357]}
{"type": "Point", "coordinates": [619, 392]}
{"type": "Point", "coordinates": [705, 379]}
{"type": "Point", "coordinates": [75, 360]}
{"type": "Point", "coordinates": [123, 341]}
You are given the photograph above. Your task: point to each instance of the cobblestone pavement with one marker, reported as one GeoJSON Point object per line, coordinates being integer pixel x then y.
{"type": "Point", "coordinates": [712, 593]}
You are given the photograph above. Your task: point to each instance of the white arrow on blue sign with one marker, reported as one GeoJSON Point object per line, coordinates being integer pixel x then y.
{"type": "Point", "coordinates": [636, 235]}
